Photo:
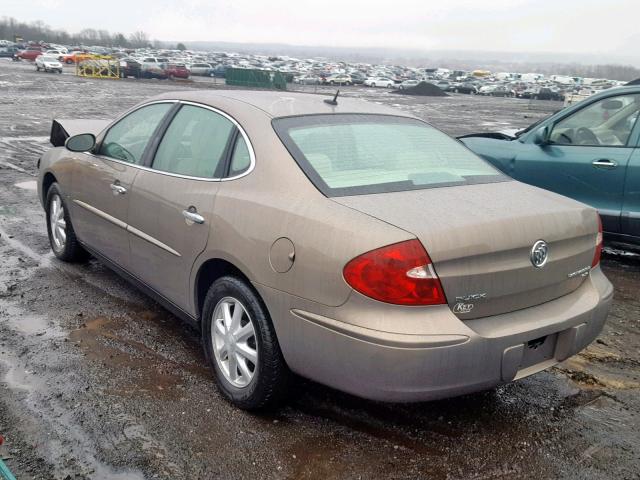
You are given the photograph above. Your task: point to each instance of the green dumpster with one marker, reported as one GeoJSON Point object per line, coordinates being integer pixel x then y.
{"type": "Point", "coordinates": [253, 78]}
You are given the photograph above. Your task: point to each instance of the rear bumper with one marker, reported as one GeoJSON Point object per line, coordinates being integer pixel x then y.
{"type": "Point", "coordinates": [432, 354]}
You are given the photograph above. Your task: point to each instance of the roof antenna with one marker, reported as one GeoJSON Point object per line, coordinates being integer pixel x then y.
{"type": "Point", "coordinates": [333, 101]}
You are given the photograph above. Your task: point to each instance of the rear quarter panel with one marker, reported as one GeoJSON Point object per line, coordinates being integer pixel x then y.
{"type": "Point", "coordinates": [277, 200]}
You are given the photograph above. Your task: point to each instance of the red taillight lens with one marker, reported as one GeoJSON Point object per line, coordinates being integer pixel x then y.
{"type": "Point", "coordinates": [401, 274]}
{"type": "Point", "coordinates": [599, 241]}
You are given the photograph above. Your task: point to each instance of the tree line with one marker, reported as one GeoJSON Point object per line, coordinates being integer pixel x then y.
{"type": "Point", "coordinates": [10, 28]}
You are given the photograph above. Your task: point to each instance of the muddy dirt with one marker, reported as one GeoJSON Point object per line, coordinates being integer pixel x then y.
{"type": "Point", "coordinates": [97, 381]}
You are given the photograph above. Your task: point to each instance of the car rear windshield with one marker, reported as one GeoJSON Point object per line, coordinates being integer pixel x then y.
{"type": "Point", "coordinates": [349, 154]}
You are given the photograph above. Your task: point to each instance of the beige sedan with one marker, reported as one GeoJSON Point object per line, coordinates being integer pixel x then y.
{"type": "Point", "coordinates": [349, 243]}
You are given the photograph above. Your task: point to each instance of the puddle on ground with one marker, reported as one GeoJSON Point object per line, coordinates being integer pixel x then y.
{"type": "Point", "coordinates": [105, 341]}
{"type": "Point", "coordinates": [28, 323]}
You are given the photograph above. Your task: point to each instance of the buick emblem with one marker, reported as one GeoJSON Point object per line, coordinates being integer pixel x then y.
{"type": "Point", "coordinates": [539, 254]}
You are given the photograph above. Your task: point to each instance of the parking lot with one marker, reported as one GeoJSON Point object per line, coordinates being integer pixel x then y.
{"type": "Point", "coordinates": [98, 381]}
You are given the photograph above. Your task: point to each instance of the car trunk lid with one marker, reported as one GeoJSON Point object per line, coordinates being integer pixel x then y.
{"type": "Point", "coordinates": [480, 239]}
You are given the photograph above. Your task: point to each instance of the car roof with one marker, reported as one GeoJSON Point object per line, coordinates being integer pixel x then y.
{"type": "Point", "coordinates": [281, 104]}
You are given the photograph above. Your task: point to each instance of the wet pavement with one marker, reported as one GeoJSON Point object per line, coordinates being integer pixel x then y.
{"type": "Point", "coordinates": [97, 381]}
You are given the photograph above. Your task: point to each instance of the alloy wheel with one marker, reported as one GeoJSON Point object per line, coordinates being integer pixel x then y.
{"type": "Point", "coordinates": [234, 342]}
{"type": "Point", "coordinates": [57, 222]}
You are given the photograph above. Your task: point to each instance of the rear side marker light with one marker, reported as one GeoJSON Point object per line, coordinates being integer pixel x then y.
{"type": "Point", "coordinates": [401, 274]}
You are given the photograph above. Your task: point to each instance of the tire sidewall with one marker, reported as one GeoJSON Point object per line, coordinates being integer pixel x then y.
{"type": "Point", "coordinates": [72, 251]}
{"type": "Point", "coordinates": [55, 191]}
{"type": "Point", "coordinates": [246, 397]}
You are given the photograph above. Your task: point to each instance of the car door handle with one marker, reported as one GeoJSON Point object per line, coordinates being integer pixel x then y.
{"type": "Point", "coordinates": [192, 215]}
{"type": "Point", "coordinates": [604, 163]}
{"type": "Point", "coordinates": [118, 189]}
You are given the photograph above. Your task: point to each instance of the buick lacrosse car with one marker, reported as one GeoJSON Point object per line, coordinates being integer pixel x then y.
{"type": "Point", "coordinates": [343, 241]}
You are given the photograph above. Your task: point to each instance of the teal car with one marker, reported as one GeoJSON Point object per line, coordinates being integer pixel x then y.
{"type": "Point", "coordinates": [589, 151]}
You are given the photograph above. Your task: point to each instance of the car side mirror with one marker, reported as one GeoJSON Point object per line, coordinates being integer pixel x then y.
{"type": "Point", "coordinates": [83, 142]}
{"type": "Point", "coordinates": [541, 137]}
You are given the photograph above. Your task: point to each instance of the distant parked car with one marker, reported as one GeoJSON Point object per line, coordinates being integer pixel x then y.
{"type": "Point", "coordinates": [176, 70]}
{"type": "Point", "coordinates": [149, 62]}
{"type": "Point", "coordinates": [549, 94]}
{"type": "Point", "coordinates": [442, 84]}
{"type": "Point", "coordinates": [338, 80]}
{"type": "Point", "coordinates": [48, 63]}
{"type": "Point", "coordinates": [74, 57]}
{"type": "Point", "coordinates": [501, 91]}
{"type": "Point", "coordinates": [408, 84]}
{"type": "Point", "coordinates": [8, 52]}
{"type": "Point", "coordinates": [220, 71]}
{"type": "Point", "coordinates": [542, 93]}
{"type": "Point", "coordinates": [154, 72]}
{"type": "Point", "coordinates": [30, 53]}
{"type": "Point", "coordinates": [357, 78]}
{"type": "Point", "coordinates": [588, 151]}
{"type": "Point", "coordinates": [486, 89]}
{"type": "Point", "coordinates": [307, 80]}
{"type": "Point", "coordinates": [54, 53]}
{"type": "Point", "coordinates": [468, 88]}
{"type": "Point", "coordinates": [130, 67]}
{"type": "Point", "coordinates": [202, 69]}
{"type": "Point", "coordinates": [379, 82]}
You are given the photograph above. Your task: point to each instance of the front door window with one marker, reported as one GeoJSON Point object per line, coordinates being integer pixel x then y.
{"type": "Point", "coordinates": [608, 122]}
{"type": "Point", "coordinates": [127, 139]}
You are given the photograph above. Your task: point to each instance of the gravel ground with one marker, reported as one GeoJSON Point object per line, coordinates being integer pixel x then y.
{"type": "Point", "coordinates": [97, 381]}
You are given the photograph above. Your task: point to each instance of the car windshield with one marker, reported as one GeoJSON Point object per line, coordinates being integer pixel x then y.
{"type": "Point", "coordinates": [351, 154]}
{"type": "Point", "coordinates": [49, 59]}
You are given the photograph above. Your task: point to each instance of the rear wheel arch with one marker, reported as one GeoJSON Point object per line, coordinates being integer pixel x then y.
{"type": "Point", "coordinates": [209, 272]}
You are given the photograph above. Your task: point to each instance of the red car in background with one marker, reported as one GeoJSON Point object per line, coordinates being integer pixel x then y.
{"type": "Point", "coordinates": [176, 70]}
{"type": "Point", "coordinates": [30, 53]}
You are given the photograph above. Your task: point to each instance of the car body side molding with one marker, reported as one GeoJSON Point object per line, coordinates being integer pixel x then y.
{"type": "Point", "coordinates": [128, 228]}
{"type": "Point", "coordinates": [101, 214]}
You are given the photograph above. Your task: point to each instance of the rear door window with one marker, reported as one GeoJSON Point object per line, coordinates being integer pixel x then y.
{"type": "Point", "coordinates": [195, 143]}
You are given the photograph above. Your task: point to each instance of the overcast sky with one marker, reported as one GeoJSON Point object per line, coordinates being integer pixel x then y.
{"type": "Point", "coordinates": [576, 26]}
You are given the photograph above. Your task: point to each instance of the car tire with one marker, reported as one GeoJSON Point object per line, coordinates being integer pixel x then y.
{"type": "Point", "coordinates": [68, 62]}
{"type": "Point", "coordinates": [266, 385]}
{"type": "Point", "coordinates": [373, 85]}
{"type": "Point", "coordinates": [62, 237]}
{"type": "Point", "coordinates": [37, 68]}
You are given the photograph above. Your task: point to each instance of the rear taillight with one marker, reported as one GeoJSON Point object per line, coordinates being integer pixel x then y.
{"type": "Point", "coordinates": [401, 274]}
{"type": "Point", "coordinates": [599, 240]}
